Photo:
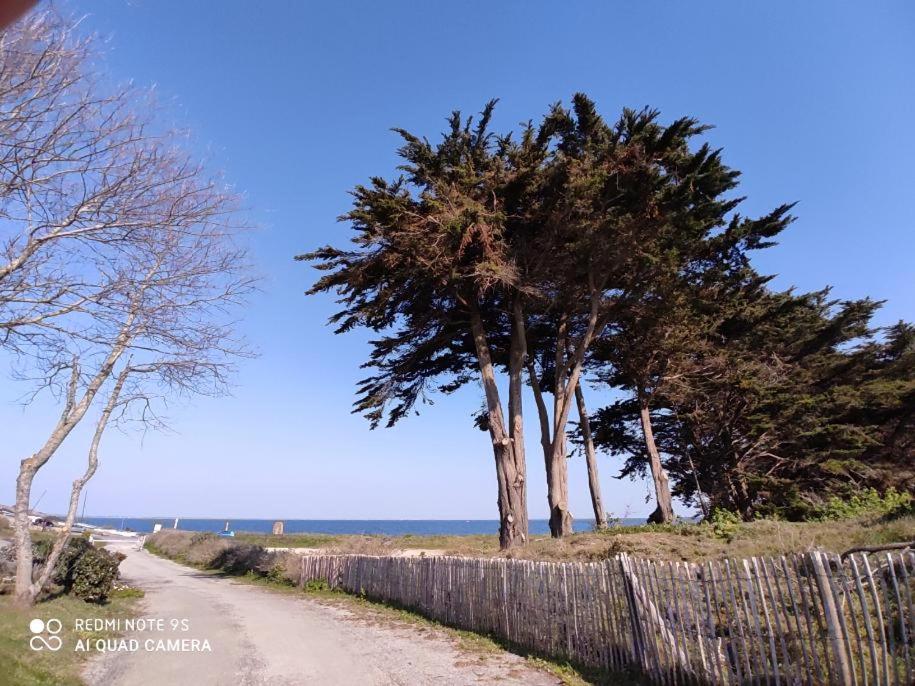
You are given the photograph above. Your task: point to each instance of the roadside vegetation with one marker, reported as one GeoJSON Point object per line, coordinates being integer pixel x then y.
{"type": "Point", "coordinates": [723, 535]}
{"type": "Point", "coordinates": [686, 542]}
{"type": "Point", "coordinates": [24, 667]}
{"type": "Point", "coordinates": [83, 583]}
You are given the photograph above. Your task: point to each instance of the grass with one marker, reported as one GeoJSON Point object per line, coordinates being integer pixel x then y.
{"type": "Point", "coordinates": [688, 542]}
{"type": "Point", "coordinates": [21, 665]}
{"type": "Point", "coordinates": [287, 540]}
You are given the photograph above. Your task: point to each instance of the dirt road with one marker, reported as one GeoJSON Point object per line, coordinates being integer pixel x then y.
{"type": "Point", "coordinates": [260, 637]}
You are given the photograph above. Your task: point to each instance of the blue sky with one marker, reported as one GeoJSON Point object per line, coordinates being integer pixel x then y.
{"type": "Point", "coordinates": [813, 101]}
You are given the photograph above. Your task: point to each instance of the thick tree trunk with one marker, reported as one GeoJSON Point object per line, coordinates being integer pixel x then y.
{"type": "Point", "coordinates": [558, 489]}
{"type": "Point", "coordinates": [23, 539]}
{"type": "Point", "coordinates": [557, 471]}
{"type": "Point", "coordinates": [600, 514]}
{"type": "Point", "coordinates": [512, 515]}
{"type": "Point", "coordinates": [664, 512]}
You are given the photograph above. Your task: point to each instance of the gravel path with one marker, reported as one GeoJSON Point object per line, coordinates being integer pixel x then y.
{"type": "Point", "coordinates": [262, 637]}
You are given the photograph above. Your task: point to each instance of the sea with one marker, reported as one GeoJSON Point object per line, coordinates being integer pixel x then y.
{"type": "Point", "coordinates": [383, 527]}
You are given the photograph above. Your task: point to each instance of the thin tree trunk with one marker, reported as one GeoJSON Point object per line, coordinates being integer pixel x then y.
{"type": "Point", "coordinates": [600, 514]}
{"type": "Point", "coordinates": [517, 353]}
{"type": "Point", "coordinates": [546, 442]}
{"type": "Point", "coordinates": [568, 374]}
{"type": "Point", "coordinates": [510, 498]}
{"type": "Point", "coordinates": [664, 512]}
{"type": "Point", "coordinates": [63, 537]}
{"type": "Point", "coordinates": [72, 414]}
{"type": "Point", "coordinates": [700, 495]}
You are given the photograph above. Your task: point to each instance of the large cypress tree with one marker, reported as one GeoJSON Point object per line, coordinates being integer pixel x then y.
{"type": "Point", "coordinates": [433, 273]}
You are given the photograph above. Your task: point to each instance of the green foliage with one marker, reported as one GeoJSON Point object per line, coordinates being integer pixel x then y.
{"type": "Point", "coordinates": [83, 570]}
{"type": "Point", "coordinates": [620, 245]}
{"type": "Point", "coordinates": [316, 586]}
{"type": "Point", "coordinates": [127, 592]}
{"type": "Point", "coordinates": [867, 502]}
{"type": "Point", "coordinates": [94, 574]}
{"type": "Point", "coordinates": [725, 524]}
{"type": "Point", "coordinates": [277, 575]}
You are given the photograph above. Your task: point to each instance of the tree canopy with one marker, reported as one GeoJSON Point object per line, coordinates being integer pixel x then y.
{"type": "Point", "coordinates": [615, 252]}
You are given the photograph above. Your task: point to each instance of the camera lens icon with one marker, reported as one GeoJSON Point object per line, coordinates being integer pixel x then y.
{"type": "Point", "coordinates": [39, 627]}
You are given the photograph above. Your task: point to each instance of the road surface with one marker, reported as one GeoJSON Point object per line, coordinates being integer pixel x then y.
{"type": "Point", "coordinates": [261, 637]}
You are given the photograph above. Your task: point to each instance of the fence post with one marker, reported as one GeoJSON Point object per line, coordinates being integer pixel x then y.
{"type": "Point", "coordinates": [638, 639]}
{"type": "Point", "coordinates": [831, 615]}
{"type": "Point", "coordinates": [301, 571]}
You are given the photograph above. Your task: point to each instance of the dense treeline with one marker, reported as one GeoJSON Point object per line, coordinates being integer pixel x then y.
{"type": "Point", "coordinates": [579, 251]}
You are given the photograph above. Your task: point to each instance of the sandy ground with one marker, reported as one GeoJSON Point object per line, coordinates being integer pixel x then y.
{"type": "Point", "coordinates": [261, 637]}
{"type": "Point", "coordinates": [400, 552]}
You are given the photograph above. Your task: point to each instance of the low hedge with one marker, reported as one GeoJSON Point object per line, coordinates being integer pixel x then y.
{"type": "Point", "coordinates": [213, 552]}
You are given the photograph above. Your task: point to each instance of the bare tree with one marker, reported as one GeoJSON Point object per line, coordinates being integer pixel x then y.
{"type": "Point", "coordinates": [119, 254]}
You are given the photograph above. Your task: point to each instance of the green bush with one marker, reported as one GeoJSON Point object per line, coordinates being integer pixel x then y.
{"type": "Point", "coordinates": [866, 502]}
{"type": "Point", "coordinates": [316, 585]}
{"type": "Point", "coordinates": [277, 574]}
{"type": "Point", "coordinates": [94, 574]}
{"type": "Point", "coordinates": [725, 524]}
{"type": "Point", "coordinates": [82, 570]}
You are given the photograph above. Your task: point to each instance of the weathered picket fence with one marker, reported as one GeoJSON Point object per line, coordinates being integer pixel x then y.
{"type": "Point", "coordinates": [802, 619]}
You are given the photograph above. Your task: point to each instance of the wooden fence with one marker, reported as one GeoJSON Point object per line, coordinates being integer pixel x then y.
{"type": "Point", "coordinates": [801, 619]}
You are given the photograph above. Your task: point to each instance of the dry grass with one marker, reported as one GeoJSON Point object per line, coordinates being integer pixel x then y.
{"type": "Point", "coordinates": [690, 542]}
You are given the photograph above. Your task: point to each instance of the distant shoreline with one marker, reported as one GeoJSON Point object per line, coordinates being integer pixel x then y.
{"type": "Point", "coordinates": [383, 527]}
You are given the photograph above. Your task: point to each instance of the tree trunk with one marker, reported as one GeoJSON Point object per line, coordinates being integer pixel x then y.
{"type": "Point", "coordinates": [557, 471]}
{"type": "Point", "coordinates": [60, 543]}
{"type": "Point", "coordinates": [568, 375]}
{"type": "Point", "coordinates": [558, 489]}
{"type": "Point", "coordinates": [511, 497]}
{"type": "Point", "coordinates": [600, 514]}
{"type": "Point", "coordinates": [23, 539]}
{"type": "Point", "coordinates": [517, 353]}
{"type": "Point", "coordinates": [71, 415]}
{"type": "Point", "coordinates": [546, 442]}
{"type": "Point", "coordinates": [664, 512]}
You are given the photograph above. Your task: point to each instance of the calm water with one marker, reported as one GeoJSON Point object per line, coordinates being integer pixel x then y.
{"type": "Point", "coordinates": [387, 527]}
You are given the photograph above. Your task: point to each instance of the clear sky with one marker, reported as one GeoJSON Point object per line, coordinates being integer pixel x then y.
{"type": "Point", "coordinates": [813, 101]}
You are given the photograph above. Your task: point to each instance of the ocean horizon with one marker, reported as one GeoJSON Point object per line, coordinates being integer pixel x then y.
{"type": "Point", "coordinates": [380, 527]}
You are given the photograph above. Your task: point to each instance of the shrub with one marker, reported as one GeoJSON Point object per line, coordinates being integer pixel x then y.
{"type": "Point", "coordinates": [82, 570]}
{"type": "Point", "coordinates": [94, 574]}
{"type": "Point", "coordinates": [316, 585]}
{"type": "Point", "coordinates": [866, 502]}
{"type": "Point", "coordinates": [725, 524]}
